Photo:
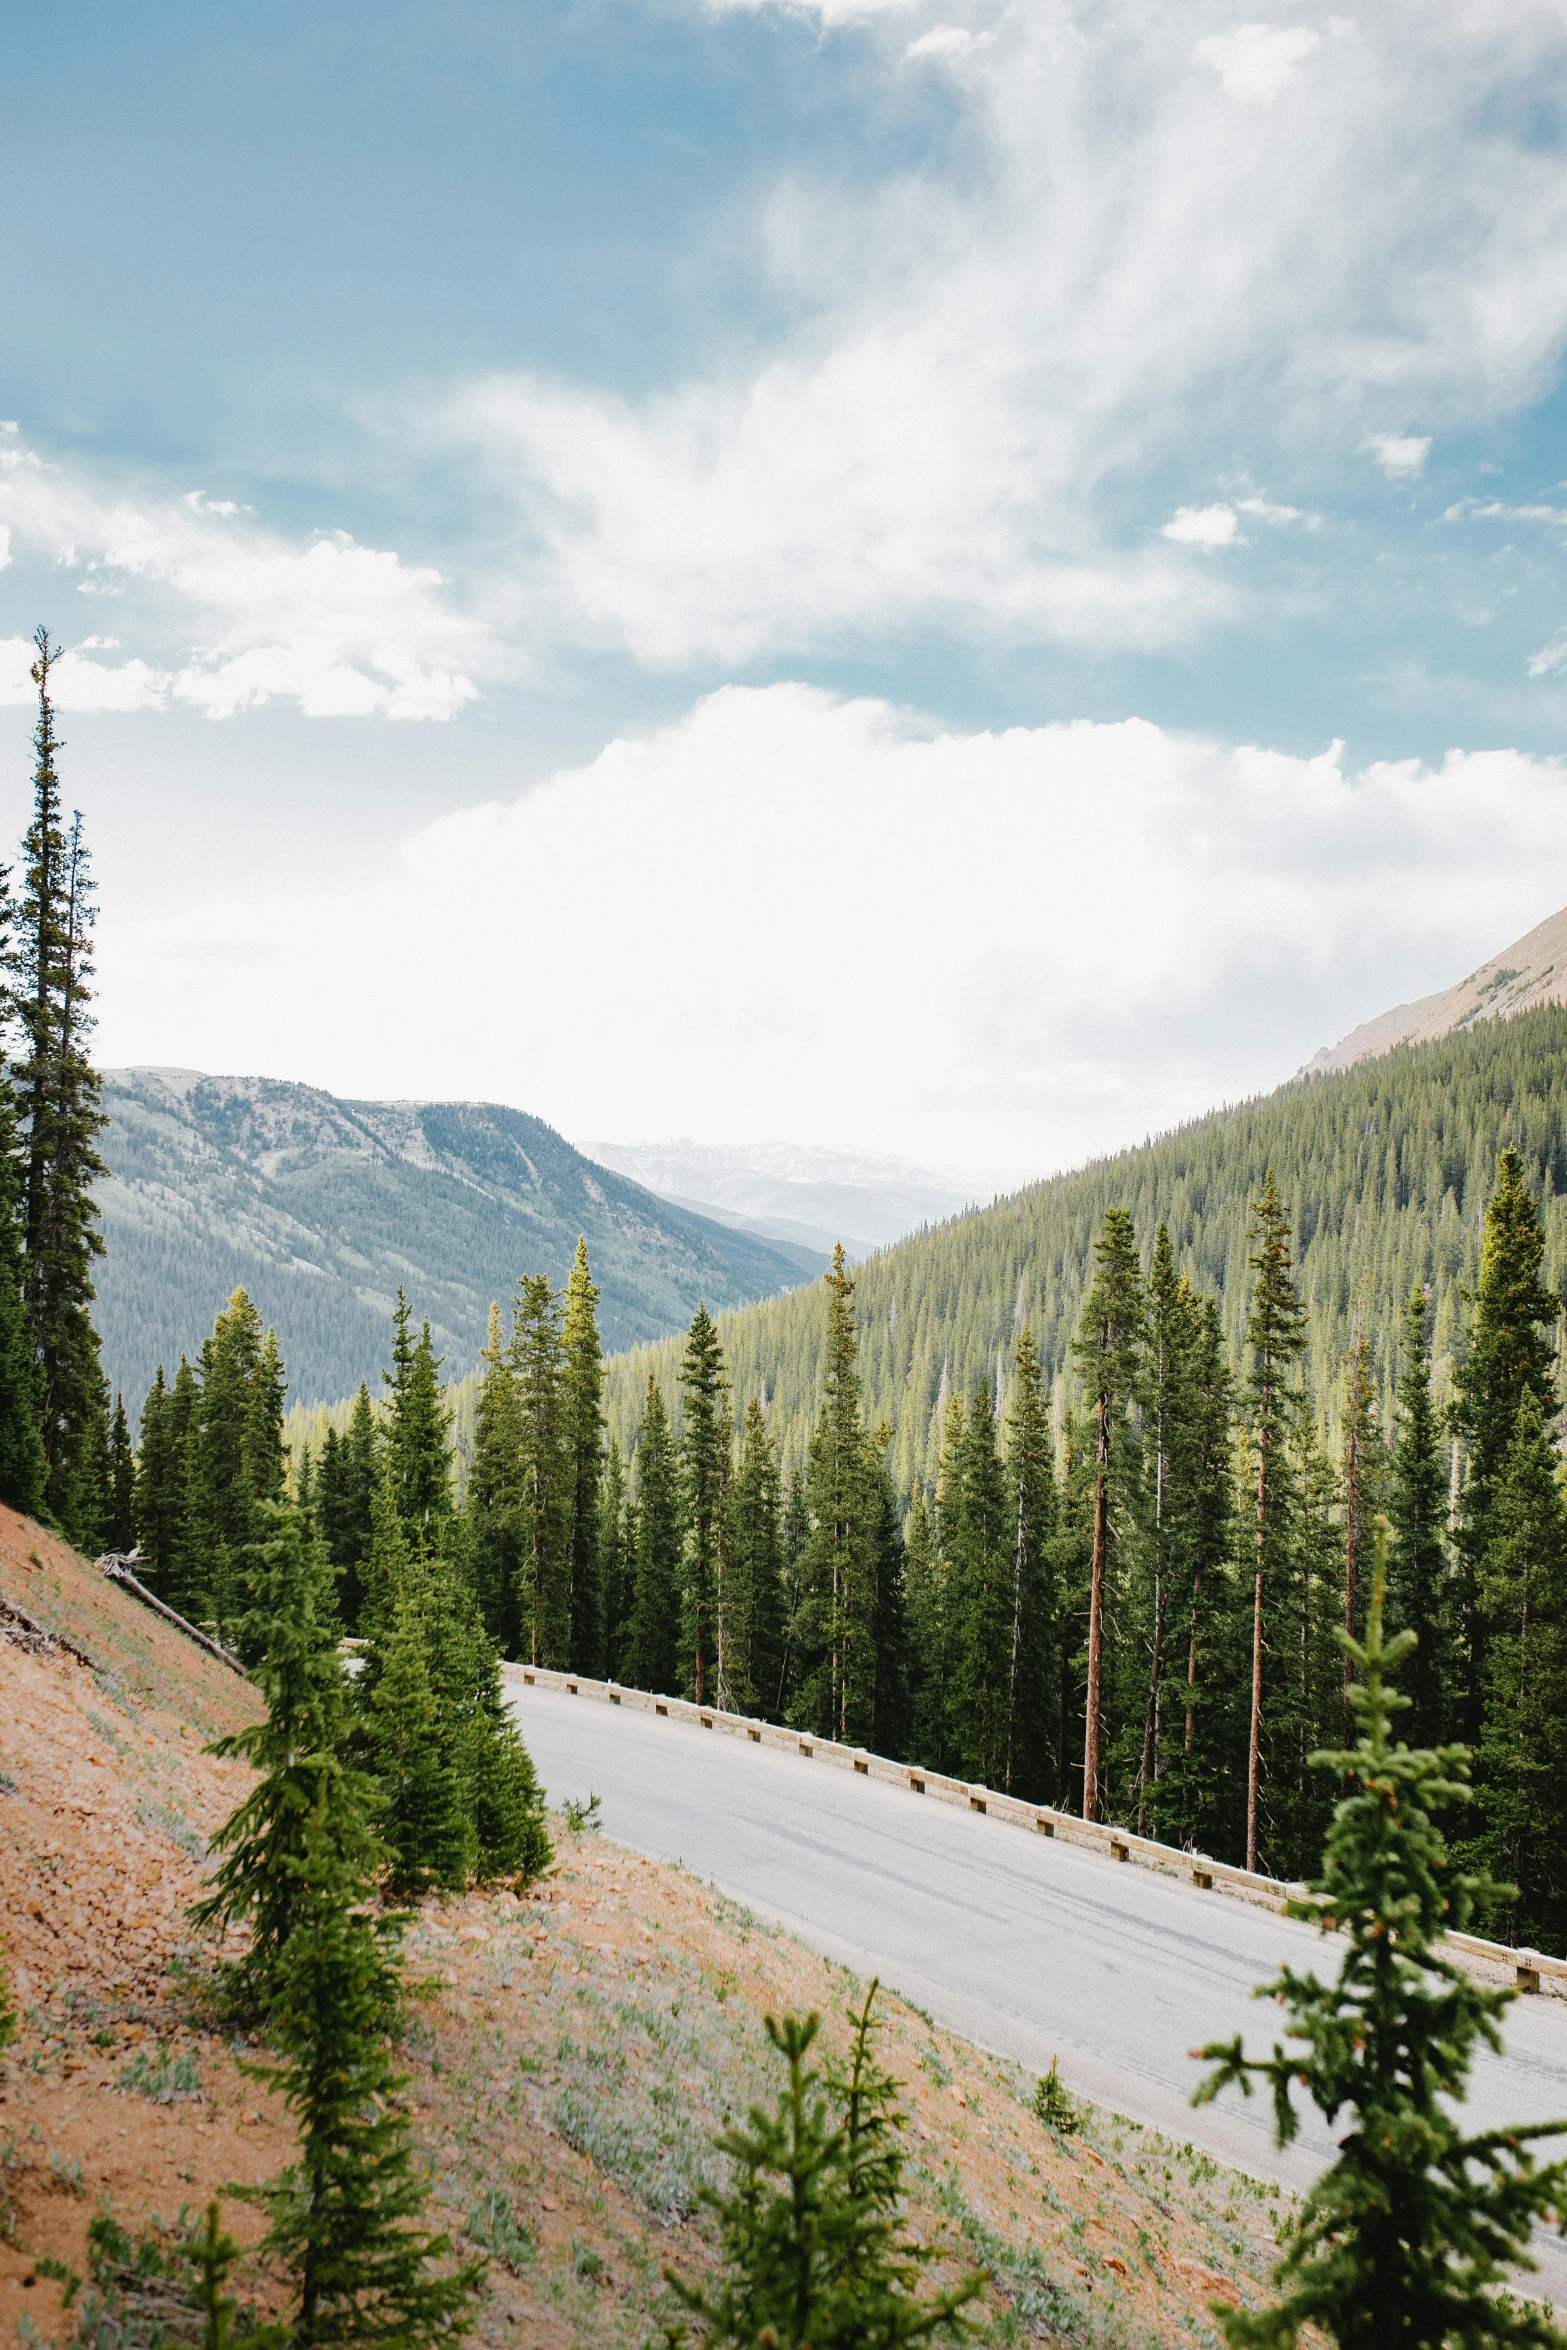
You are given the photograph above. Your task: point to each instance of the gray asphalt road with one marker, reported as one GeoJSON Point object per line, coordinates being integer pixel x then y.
{"type": "Point", "coordinates": [1034, 1948]}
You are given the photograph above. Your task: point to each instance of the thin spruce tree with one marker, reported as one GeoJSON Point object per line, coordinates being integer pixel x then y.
{"type": "Point", "coordinates": [544, 1479]}
{"type": "Point", "coordinates": [299, 1752]}
{"type": "Point", "coordinates": [653, 1625]}
{"type": "Point", "coordinates": [704, 1477]}
{"type": "Point", "coordinates": [981, 1570]}
{"type": "Point", "coordinates": [814, 2252]}
{"type": "Point", "coordinates": [344, 2218]}
{"type": "Point", "coordinates": [1510, 1354]}
{"type": "Point", "coordinates": [1033, 1514]}
{"type": "Point", "coordinates": [1522, 1762]}
{"type": "Point", "coordinates": [1419, 1580]}
{"type": "Point", "coordinates": [23, 1468]}
{"type": "Point", "coordinates": [1275, 1341]}
{"type": "Point", "coordinates": [1408, 2236]}
{"type": "Point", "coordinates": [427, 1827]}
{"type": "Point", "coordinates": [120, 1524]}
{"type": "Point", "coordinates": [1364, 1475]}
{"type": "Point", "coordinates": [755, 1658]}
{"type": "Point", "coordinates": [834, 1642]}
{"type": "Point", "coordinates": [582, 1382]}
{"type": "Point", "coordinates": [58, 1097]}
{"type": "Point", "coordinates": [418, 1432]}
{"type": "Point", "coordinates": [1108, 1353]}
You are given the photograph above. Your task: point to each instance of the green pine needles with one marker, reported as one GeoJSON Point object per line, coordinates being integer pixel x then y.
{"type": "Point", "coordinates": [811, 2235]}
{"type": "Point", "coordinates": [1408, 2237]}
{"type": "Point", "coordinates": [299, 1751]}
{"type": "Point", "coordinates": [344, 2214]}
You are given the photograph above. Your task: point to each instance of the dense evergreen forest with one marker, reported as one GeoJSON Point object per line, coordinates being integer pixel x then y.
{"type": "Point", "coordinates": [1387, 1166]}
{"type": "Point", "coordinates": [1132, 1612]}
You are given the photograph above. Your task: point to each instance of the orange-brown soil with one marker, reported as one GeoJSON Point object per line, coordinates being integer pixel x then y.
{"type": "Point", "coordinates": [567, 2076]}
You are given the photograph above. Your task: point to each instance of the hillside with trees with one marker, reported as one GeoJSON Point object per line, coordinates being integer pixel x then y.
{"type": "Point", "coordinates": [322, 1209]}
{"type": "Point", "coordinates": [1386, 1167]}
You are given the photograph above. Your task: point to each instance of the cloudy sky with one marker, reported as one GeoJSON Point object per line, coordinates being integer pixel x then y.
{"type": "Point", "coordinates": [959, 579]}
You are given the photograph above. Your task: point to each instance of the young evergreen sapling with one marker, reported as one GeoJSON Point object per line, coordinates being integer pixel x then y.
{"type": "Point", "coordinates": [1408, 2236]}
{"type": "Point", "coordinates": [815, 2255]}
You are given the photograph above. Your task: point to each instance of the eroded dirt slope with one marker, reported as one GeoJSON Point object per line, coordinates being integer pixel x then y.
{"type": "Point", "coordinates": [568, 2075]}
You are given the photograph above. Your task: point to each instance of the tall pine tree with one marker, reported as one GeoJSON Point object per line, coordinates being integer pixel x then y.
{"type": "Point", "coordinates": [1419, 1585]}
{"type": "Point", "coordinates": [22, 1464]}
{"type": "Point", "coordinates": [544, 1477]}
{"type": "Point", "coordinates": [1511, 1354]}
{"type": "Point", "coordinates": [704, 1478]}
{"type": "Point", "coordinates": [1275, 1340]}
{"type": "Point", "coordinates": [1108, 1353]}
{"type": "Point", "coordinates": [652, 1658]}
{"type": "Point", "coordinates": [58, 1098]}
{"type": "Point", "coordinates": [582, 1385]}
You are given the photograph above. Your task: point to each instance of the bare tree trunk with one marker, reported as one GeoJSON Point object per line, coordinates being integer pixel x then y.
{"type": "Point", "coordinates": [1254, 1745]}
{"type": "Point", "coordinates": [1351, 1546]}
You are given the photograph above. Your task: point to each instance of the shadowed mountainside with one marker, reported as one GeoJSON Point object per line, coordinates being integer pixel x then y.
{"type": "Point", "coordinates": [321, 1208]}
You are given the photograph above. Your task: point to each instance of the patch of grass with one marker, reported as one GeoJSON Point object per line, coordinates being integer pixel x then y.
{"type": "Point", "coordinates": [494, 2226]}
{"type": "Point", "coordinates": [171, 1822]}
{"type": "Point", "coordinates": [162, 2077]}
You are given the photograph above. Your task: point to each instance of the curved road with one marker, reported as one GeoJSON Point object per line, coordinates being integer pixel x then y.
{"type": "Point", "coordinates": [1032, 1947]}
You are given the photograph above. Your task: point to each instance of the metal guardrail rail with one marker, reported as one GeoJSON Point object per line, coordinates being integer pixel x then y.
{"type": "Point", "coordinates": [1531, 1967]}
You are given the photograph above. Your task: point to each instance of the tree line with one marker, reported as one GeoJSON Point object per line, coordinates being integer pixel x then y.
{"type": "Point", "coordinates": [1387, 1167]}
{"type": "Point", "coordinates": [1128, 1608]}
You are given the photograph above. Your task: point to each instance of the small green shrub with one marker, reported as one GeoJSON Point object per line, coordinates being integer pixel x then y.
{"type": "Point", "coordinates": [162, 2078]}
{"type": "Point", "coordinates": [494, 2226]}
{"type": "Point", "coordinates": [1055, 2106]}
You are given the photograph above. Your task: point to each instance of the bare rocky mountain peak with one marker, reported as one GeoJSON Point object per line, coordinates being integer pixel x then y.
{"type": "Point", "coordinates": [1520, 978]}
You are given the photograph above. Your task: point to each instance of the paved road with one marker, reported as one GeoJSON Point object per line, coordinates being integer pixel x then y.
{"type": "Point", "coordinates": [1032, 1947]}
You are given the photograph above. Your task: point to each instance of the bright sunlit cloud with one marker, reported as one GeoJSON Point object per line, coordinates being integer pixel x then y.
{"type": "Point", "coordinates": [338, 629]}
{"type": "Point", "coordinates": [889, 928]}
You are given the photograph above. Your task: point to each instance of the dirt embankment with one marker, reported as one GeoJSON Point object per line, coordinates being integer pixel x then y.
{"type": "Point", "coordinates": [567, 2077]}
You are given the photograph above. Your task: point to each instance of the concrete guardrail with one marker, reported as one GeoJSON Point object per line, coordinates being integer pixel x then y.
{"type": "Point", "coordinates": [1530, 1967]}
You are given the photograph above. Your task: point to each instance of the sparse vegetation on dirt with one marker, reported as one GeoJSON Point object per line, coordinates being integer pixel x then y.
{"type": "Point", "coordinates": [579, 2052]}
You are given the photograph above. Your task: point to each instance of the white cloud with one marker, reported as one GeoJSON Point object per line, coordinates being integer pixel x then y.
{"type": "Point", "coordinates": [1204, 526]}
{"type": "Point", "coordinates": [1256, 60]}
{"type": "Point", "coordinates": [1106, 263]}
{"type": "Point", "coordinates": [946, 41]}
{"type": "Point", "coordinates": [912, 956]}
{"type": "Point", "coordinates": [1498, 510]}
{"type": "Point", "coordinates": [1400, 455]}
{"type": "Point", "coordinates": [249, 617]}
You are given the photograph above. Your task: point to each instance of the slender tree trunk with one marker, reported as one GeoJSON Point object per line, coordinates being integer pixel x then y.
{"type": "Point", "coordinates": [1149, 1766]}
{"type": "Point", "coordinates": [1096, 1601]}
{"type": "Point", "coordinates": [1351, 1546]}
{"type": "Point", "coordinates": [1017, 1635]}
{"type": "Point", "coordinates": [1191, 1704]}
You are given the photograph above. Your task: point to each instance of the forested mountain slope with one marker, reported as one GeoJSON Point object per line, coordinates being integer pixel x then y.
{"type": "Point", "coordinates": [1386, 1167]}
{"type": "Point", "coordinates": [322, 1208]}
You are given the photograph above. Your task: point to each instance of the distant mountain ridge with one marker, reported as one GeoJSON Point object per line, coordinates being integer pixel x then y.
{"type": "Point", "coordinates": [1522, 977]}
{"type": "Point", "coordinates": [322, 1207]}
{"type": "Point", "coordinates": [794, 1191]}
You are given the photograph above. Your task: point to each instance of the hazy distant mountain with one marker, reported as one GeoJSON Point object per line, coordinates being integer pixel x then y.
{"type": "Point", "coordinates": [791, 1191]}
{"type": "Point", "coordinates": [321, 1207]}
{"type": "Point", "coordinates": [1523, 976]}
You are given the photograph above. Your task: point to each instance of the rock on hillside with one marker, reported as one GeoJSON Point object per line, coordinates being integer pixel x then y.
{"type": "Point", "coordinates": [1531, 972]}
{"type": "Point", "coordinates": [322, 1208]}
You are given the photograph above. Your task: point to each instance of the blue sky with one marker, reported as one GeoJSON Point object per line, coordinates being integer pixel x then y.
{"type": "Point", "coordinates": [1044, 430]}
